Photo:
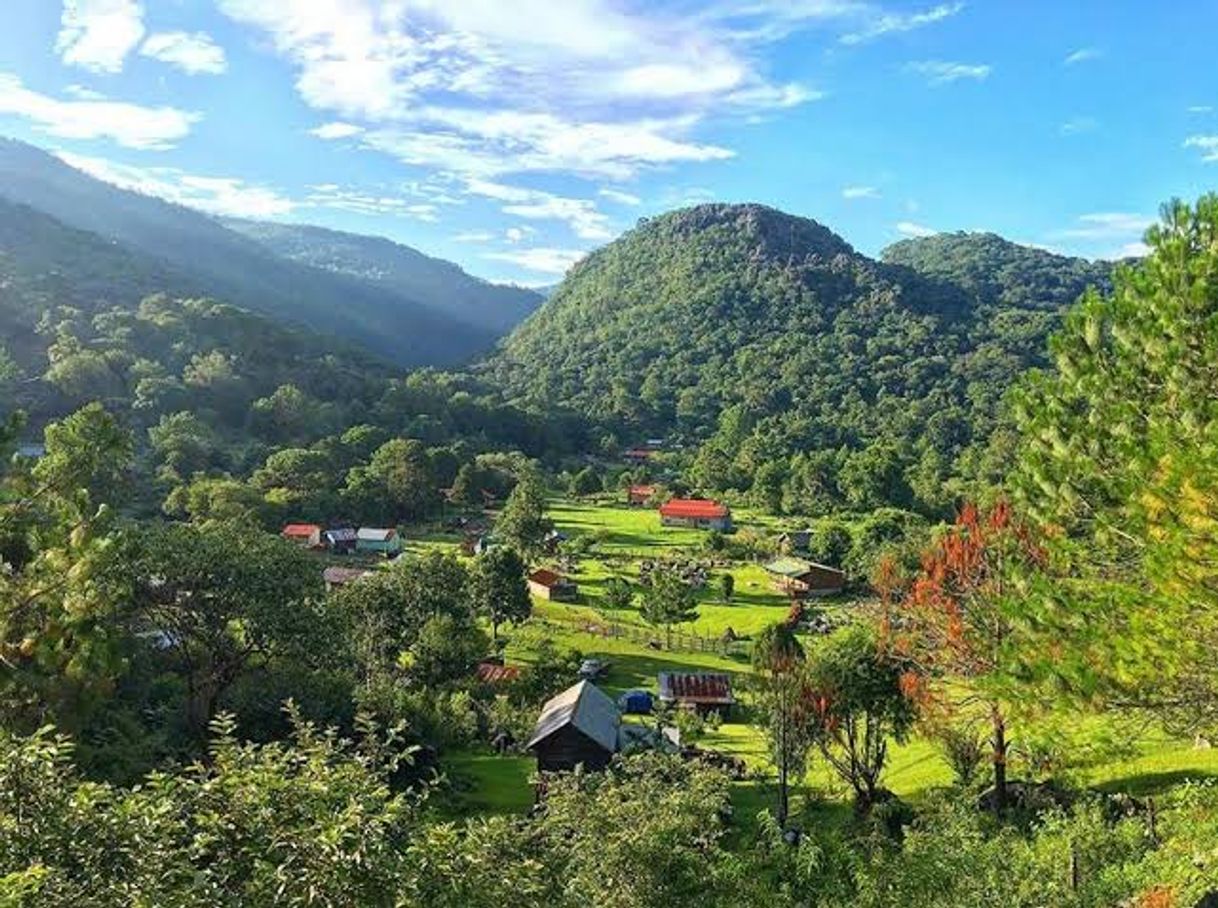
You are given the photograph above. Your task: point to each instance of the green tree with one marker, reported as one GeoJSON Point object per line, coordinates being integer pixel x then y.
{"type": "Point", "coordinates": [447, 649]}
{"type": "Point", "coordinates": [783, 707]}
{"type": "Point", "coordinates": [1118, 459]}
{"type": "Point", "coordinates": [586, 482]}
{"type": "Point", "coordinates": [859, 707]}
{"type": "Point", "coordinates": [619, 594]}
{"type": "Point", "coordinates": [499, 590]}
{"type": "Point", "coordinates": [402, 472]}
{"type": "Point", "coordinates": [522, 524]}
{"type": "Point", "coordinates": [668, 600]}
{"type": "Point", "coordinates": [727, 587]}
{"type": "Point", "coordinates": [216, 599]}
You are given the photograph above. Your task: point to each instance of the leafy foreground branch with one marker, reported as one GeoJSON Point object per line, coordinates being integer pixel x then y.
{"type": "Point", "coordinates": [318, 820]}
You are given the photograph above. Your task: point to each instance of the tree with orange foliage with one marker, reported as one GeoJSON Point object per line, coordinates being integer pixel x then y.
{"type": "Point", "coordinates": [958, 621]}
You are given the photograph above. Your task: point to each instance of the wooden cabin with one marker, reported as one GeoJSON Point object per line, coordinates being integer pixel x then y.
{"type": "Point", "coordinates": [335, 576]}
{"type": "Point", "coordinates": [800, 579]}
{"type": "Point", "coordinates": [639, 496]}
{"type": "Point", "coordinates": [578, 727]}
{"type": "Point", "coordinates": [340, 540]}
{"type": "Point", "coordinates": [376, 540]}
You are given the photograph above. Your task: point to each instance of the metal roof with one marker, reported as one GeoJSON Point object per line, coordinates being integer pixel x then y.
{"type": "Point", "coordinates": [694, 508]}
{"type": "Point", "coordinates": [788, 567]}
{"type": "Point", "coordinates": [585, 707]}
{"type": "Point", "coordinates": [375, 534]}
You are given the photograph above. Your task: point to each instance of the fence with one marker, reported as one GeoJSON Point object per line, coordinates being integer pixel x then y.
{"type": "Point", "coordinates": [675, 642]}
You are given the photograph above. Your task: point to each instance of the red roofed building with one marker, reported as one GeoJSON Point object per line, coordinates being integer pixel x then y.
{"type": "Point", "coordinates": [307, 535]}
{"type": "Point", "coordinates": [703, 691]}
{"type": "Point", "coordinates": [696, 512]}
{"type": "Point", "coordinates": [638, 496]}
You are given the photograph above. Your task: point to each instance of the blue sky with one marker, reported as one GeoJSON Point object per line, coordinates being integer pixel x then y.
{"type": "Point", "coordinates": [513, 136]}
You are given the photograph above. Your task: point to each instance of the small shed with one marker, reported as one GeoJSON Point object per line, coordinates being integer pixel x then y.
{"type": "Point", "coordinates": [546, 584]}
{"type": "Point", "coordinates": [383, 541]}
{"type": "Point", "coordinates": [700, 513]}
{"type": "Point", "coordinates": [577, 727]}
{"type": "Point", "coordinates": [638, 496]}
{"type": "Point", "coordinates": [340, 540]}
{"type": "Point", "coordinates": [702, 691]}
{"type": "Point", "coordinates": [306, 535]}
{"type": "Point", "coordinates": [336, 576]}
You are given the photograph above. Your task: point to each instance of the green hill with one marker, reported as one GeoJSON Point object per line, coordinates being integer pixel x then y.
{"type": "Point", "coordinates": [234, 268]}
{"type": "Point", "coordinates": [798, 369]}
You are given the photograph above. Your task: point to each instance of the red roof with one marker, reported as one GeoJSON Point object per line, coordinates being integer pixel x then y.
{"type": "Point", "coordinates": [545, 578]}
{"type": "Point", "coordinates": [696, 687]}
{"type": "Point", "coordinates": [490, 673]}
{"type": "Point", "coordinates": [642, 491]}
{"type": "Point", "coordinates": [693, 508]}
{"type": "Point", "coordinates": [301, 529]}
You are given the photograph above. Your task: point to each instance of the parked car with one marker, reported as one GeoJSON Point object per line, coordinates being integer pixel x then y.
{"type": "Point", "coordinates": [593, 669]}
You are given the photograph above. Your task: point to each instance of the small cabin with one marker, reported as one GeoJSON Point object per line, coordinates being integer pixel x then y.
{"type": "Point", "coordinates": [578, 727]}
{"type": "Point", "coordinates": [305, 535]}
{"type": "Point", "coordinates": [800, 579]}
{"type": "Point", "coordinates": [335, 576]}
{"type": "Point", "coordinates": [377, 540]}
{"type": "Point", "coordinates": [795, 540]}
{"type": "Point", "coordinates": [700, 513]}
{"type": "Point", "coordinates": [340, 540]}
{"type": "Point", "coordinates": [638, 496]}
{"type": "Point", "coordinates": [546, 584]}
{"type": "Point", "coordinates": [704, 692]}
{"type": "Point", "coordinates": [494, 674]}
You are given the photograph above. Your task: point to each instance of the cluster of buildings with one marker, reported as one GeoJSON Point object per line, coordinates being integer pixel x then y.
{"type": "Point", "coordinates": [345, 540]}
{"type": "Point", "coordinates": [583, 726]}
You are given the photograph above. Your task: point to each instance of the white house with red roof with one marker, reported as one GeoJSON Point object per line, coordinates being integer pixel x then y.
{"type": "Point", "coordinates": [701, 513]}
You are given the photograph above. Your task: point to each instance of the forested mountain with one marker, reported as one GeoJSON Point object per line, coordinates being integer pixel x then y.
{"type": "Point", "coordinates": [231, 267]}
{"type": "Point", "coordinates": [397, 269]}
{"type": "Point", "coordinates": [804, 372]}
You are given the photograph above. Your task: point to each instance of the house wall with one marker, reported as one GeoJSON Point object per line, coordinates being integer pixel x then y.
{"type": "Point", "coordinates": [723, 524]}
{"type": "Point", "coordinates": [567, 748]}
{"type": "Point", "coordinates": [540, 590]}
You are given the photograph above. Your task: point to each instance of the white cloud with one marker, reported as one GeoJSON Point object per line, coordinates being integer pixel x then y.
{"type": "Point", "coordinates": [543, 259]}
{"type": "Point", "coordinates": [580, 215]}
{"type": "Point", "coordinates": [1207, 145]}
{"type": "Point", "coordinates": [474, 236]}
{"type": "Point", "coordinates": [130, 125]}
{"type": "Point", "coordinates": [518, 233]}
{"type": "Point", "coordinates": [1201, 109]}
{"type": "Point", "coordinates": [336, 130]}
{"type": "Point", "coordinates": [1107, 234]}
{"type": "Point", "coordinates": [370, 203]}
{"type": "Point", "coordinates": [1076, 125]}
{"type": "Point", "coordinates": [482, 88]}
{"type": "Point", "coordinates": [860, 192]}
{"type": "Point", "coordinates": [215, 195]}
{"type": "Point", "coordinates": [620, 197]}
{"type": "Point", "coordinates": [883, 23]}
{"type": "Point", "coordinates": [192, 52]}
{"type": "Point", "coordinates": [98, 34]}
{"type": "Point", "coordinates": [944, 72]}
{"type": "Point", "coordinates": [911, 229]}
{"type": "Point", "coordinates": [83, 93]}
{"type": "Point", "coordinates": [1082, 55]}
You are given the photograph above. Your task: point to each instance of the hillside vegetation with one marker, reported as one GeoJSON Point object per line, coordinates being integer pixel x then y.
{"type": "Point", "coordinates": [210, 258]}
{"type": "Point", "coordinates": [803, 372]}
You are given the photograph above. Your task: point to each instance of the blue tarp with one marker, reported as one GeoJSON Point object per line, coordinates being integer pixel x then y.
{"type": "Point", "coordinates": [638, 702]}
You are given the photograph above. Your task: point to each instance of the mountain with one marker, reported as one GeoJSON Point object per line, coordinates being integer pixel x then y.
{"type": "Point", "coordinates": [795, 368]}
{"type": "Point", "coordinates": [437, 284]}
{"type": "Point", "coordinates": [232, 267]}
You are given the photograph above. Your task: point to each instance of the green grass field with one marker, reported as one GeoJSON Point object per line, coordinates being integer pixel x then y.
{"type": "Point", "coordinates": [1137, 761]}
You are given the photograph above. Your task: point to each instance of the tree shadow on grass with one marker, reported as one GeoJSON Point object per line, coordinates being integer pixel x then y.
{"type": "Point", "coordinates": [1153, 783]}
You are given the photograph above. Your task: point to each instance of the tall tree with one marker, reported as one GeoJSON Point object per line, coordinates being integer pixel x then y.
{"type": "Point", "coordinates": [523, 524]}
{"type": "Point", "coordinates": [668, 600]}
{"type": "Point", "coordinates": [784, 707]}
{"type": "Point", "coordinates": [498, 588]}
{"type": "Point", "coordinates": [1119, 460]}
{"type": "Point", "coordinates": [959, 626]}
